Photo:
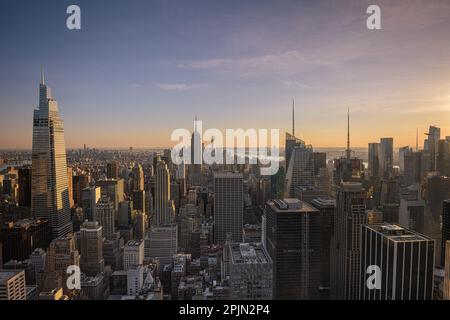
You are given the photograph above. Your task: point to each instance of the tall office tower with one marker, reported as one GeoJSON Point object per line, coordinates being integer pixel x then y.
{"type": "Point", "coordinates": [104, 210]}
{"type": "Point", "coordinates": [412, 172]}
{"type": "Point", "coordinates": [12, 285]}
{"type": "Point", "coordinates": [293, 243]}
{"type": "Point", "coordinates": [350, 215]}
{"type": "Point", "coordinates": [50, 192]}
{"type": "Point", "coordinates": [79, 183]}
{"type": "Point", "coordinates": [374, 159]}
{"type": "Point", "coordinates": [291, 140]}
{"type": "Point", "coordinates": [405, 259]}
{"type": "Point", "coordinates": [135, 279]}
{"type": "Point", "coordinates": [62, 253]}
{"type": "Point", "coordinates": [402, 152]}
{"type": "Point", "coordinates": [189, 221]}
{"type": "Point", "coordinates": [162, 243]}
{"type": "Point", "coordinates": [139, 202]}
{"type": "Point", "coordinates": [446, 290]}
{"type": "Point", "coordinates": [140, 222]}
{"type": "Point", "coordinates": [326, 206]}
{"type": "Point", "coordinates": [412, 209]}
{"type": "Point", "coordinates": [91, 249]}
{"type": "Point", "coordinates": [445, 229]}
{"type": "Point", "coordinates": [112, 170]}
{"type": "Point", "coordinates": [114, 188]}
{"type": "Point", "coordinates": [133, 254]}
{"type": "Point", "coordinates": [20, 238]}
{"type": "Point", "coordinates": [431, 145]}
{"type": "Point", "coordinates": [386, 157]}
{"type": "Point", "coordinates": [163, 204]}
{"type": "Point", "coordinates": [195, 168]}
{"type": "Point", "coordinates": [125, 209]}
{"type": "Point", "coordinates": [138, 177]}
{"type": "Point", "coordinates": [443, 157]}
{"type": "Point", "coordinates": [38, 258]}
{"type": "Point", "coordinates": [70, 186]}
{"type": "Point", "coordinates": [320, 161]}
{"type": "Point", "coordinates": [89, 198]}
{"type": "Point", "coordinates": [251, 272]}
{"type": "Point", "coordinates": [228, 206]}
{"type": "Point", "coordinates": [181, 178]}
{"type": "Point", "coordinates": [25, 187]}
{"type": "Point", "coordinates": [300, 173]}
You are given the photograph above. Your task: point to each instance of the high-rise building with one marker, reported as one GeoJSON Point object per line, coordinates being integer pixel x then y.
{"type": "Point", "coordinates": [162, 243]}
{"type": "Point", "coordinates": [139, 202]}
{"type": "Point", "coordinates": [405, 260]}
{"type": "Point", "coordinates": [114, 188]}
{"type": "Point", "coordinates": [133, 254]}
{"type": "Point", "coordinates": [138, 178]}
{"type": "Point", "coordinates": [402, 152]}
{"type": "Point", "coordinates": [164, 206]}
{"type": "Point", "coordinates": [104, 212]}
{"type": "Point", "coordinates": [12, 285]}
{"type": "Point", "coordinates": [300, 172]}
{"type": "Point", "coordinates": [251, 274]}
{"type": "Point", "coordinates": [350, 214]}
{"type": "Point", "coordinates": [445, 229]}
{"type": "Point", "coordinates": [20, 238]}
{"type": "Point", "coordinates": [293, 243]}
{"type": "Point", "coordinates": [70, 186]}
{"type": "Point", "coordinates": [79, 182]}
{"type": "Point", "coordinates": [25, 187]}
{"type": "Point", "coordinates": [228, 206]}
{"type": "Point", "coordinates": [374, 159]}
{"type": "Point", "coordinates": [91, 248]}
{"type": "Point", "coordinates": [386, 157]}
{"type": "Point", "coordinates": [140, 222]}
{"type": "Point", "coordinates": [326, 206]}
{"type": "Point", "coordinates": [89, 198]}
{"type": "Point", "coordinates": [431, 145]}
{"type": "Point", "coordinates": [446, 289]}
{"type": "Point", "coordinates": [112, 170]}
{"type": "Point", "coordinates": [49, 187]}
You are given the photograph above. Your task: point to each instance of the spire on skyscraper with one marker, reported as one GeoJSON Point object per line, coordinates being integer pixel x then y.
{"type": "Point", "coordinates": [42, 75]}
{"type": "Point", "coordinates": [348, 134]}
{"type": "Point", "coordinates": [293, 118]}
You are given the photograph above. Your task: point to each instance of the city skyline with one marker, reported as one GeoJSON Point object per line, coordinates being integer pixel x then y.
{"type": "Point", "coordinates": [155, 65]}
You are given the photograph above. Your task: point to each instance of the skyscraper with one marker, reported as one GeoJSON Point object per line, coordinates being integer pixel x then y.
{"type": "Point", "coordinates": [91, 250]}
{"type": "Point", "coordinates": [49, 187]}
{"type": "Point", "coordinates": [228, 206]}
{"type": "Point", "coordinates": [104, 212]}
{"type": "Point", "coordinates": [386, 157]}
{"type": "Point", "coordinates": [374, 159]}
{"type": "Point", "coordinates": [164, 206]}
{"type": "Point", "coordinates": [445, 229]}
{"type": "Point", "coordinates": [350, 215]}
{"type": "Point", "coordinates": [293, 243]}
{"type": "Point", "coordinates": [405, 259]}
{"type": "Point", "coordinates": [25, 187]}
{"type": "Point", "coordinates": [300, 172]}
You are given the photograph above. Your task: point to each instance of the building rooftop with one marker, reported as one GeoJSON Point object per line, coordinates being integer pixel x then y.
{"type": "Point", "coordinates": [5, 275]}
{"type": "Point", "coordinates": [397, 233]}
{"type": "Point", "coordinates": [248, 253]}
{"type": "Point", "coordinates": [291, 205]}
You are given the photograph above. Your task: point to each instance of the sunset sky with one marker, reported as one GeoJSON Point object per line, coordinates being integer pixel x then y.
{"type": "Point", "coordinates": [139, 69]}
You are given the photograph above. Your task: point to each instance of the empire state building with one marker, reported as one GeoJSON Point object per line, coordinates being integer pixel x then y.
{"type": "Point", "coordinates": [49, 188]}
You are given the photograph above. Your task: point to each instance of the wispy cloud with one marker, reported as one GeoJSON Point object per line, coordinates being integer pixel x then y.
{"type": "Point", "coordinates": [180, 86]}
{"type": "Point", "coordinates": [285, 63]}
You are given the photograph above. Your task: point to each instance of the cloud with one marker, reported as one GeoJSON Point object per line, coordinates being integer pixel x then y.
{"type": "Point", "coordinates": [179, 86]}
{"type": "Point", "coordinates": [285, 63]}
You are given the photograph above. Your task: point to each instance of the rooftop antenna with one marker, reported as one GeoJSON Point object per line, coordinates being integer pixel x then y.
{"type": "Point", "coordinates": [293, 118]}
{"type": "Point", "coordinates": [348, 134]}
{"type": "Point", "coordinates": [42, 75]}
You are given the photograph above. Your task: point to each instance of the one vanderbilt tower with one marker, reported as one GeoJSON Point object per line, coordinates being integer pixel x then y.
{"type": "Point", "coordinates": [49, 188]}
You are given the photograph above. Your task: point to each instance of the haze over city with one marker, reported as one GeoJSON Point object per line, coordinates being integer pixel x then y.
{"type": "Point", "coordinates": [136, 71]}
